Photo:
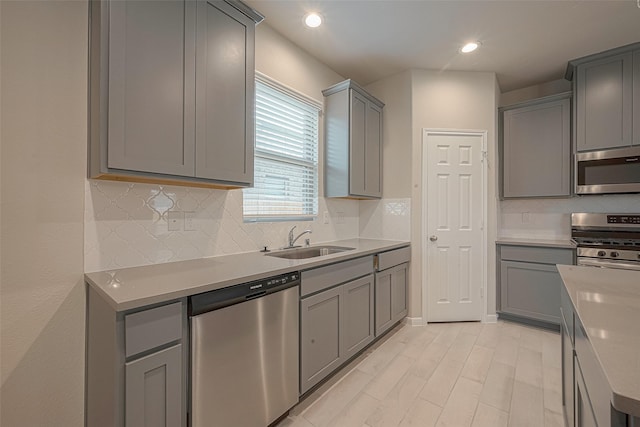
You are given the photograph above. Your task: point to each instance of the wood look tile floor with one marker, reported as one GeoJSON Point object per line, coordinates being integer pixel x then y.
{"type": "Point", "coordinates": [444, 374]}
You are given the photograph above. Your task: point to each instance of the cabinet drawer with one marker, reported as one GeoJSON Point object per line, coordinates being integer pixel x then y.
{"type": "Point", "coordinates": [325, 277]}
{"type": "Point", "coordinates": [149, 329]}
{"type": "Point", "coordinates": [392, 258]}
{"type": "Point", "coordinates": [536, 254]}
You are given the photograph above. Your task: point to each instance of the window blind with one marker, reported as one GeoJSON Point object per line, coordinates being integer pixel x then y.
{"type": "Point", "coordinates": [286, 158]}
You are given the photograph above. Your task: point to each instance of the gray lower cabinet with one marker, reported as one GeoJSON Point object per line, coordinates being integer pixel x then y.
{"type": "Point", "coordinates": [172, 91]}
{"type": "Point", "coordinates": [529, 283]}
{"type": "Point", "coordinates": [320, 332]}
{"type": "Point", "coordinates": [153, 391]}
{"type": "Point", "coordinates": [358, 315]}
{"type": "Point", "coordinates": [535, 148]}
{"type": "Point", "coordinates": [584, 416]}
{"type": "Point", "coordinates": [353, 142]}
{"type": "Point", "coordinates": [336, 317]}
{"type": "Point", "coordinates": [567, 354]}
{"type": "Point", "coordinates": [136, 371]}
{"type": "Point", "coordinates": [585, 392]}
{"type": "Point", "coordinates": [391, 297]}
{"type": "Point", "coordinates": [334, 326]}
{"type": "Point", "coordinates": [530, 290]}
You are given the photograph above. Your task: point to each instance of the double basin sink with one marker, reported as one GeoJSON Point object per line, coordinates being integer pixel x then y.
{"type": "Point", "coordinates": [309, 252]}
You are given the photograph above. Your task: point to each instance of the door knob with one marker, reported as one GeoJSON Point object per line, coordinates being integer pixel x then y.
{"type": "Point", "coordinates": [433, 238]}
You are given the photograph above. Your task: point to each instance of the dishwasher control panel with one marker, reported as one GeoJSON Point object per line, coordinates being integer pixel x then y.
{"type": "Point", "coordinates": [219, 298]}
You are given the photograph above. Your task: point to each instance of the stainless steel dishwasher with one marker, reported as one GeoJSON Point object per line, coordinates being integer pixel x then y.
{"type": "Point", "coordinates": [244, 353]}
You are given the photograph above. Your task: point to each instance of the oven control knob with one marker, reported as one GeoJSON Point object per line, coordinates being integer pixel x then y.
{"type": "Point", "coordinates": [615, 254]}
{"type": "Point", "coordinates": [602, 253]}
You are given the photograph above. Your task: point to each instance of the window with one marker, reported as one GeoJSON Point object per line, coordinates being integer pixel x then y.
{"type": "Point", "coordinates": [286, 156]}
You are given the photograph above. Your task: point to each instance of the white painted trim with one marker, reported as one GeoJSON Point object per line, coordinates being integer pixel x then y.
{"type": "Point", "coordinates": [490, 318]}
{"type": "Point", "coordinates": [415, 321]}
{"type": "Point", "coordinates": [423, 246]}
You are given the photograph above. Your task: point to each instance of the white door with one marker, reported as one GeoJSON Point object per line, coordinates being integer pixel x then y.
{"type": "Point", "coordinates": [453, 201]}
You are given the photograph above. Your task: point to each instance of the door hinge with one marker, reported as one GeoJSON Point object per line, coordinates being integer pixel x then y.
{"type": "Point", "coordinates": [484, 156]}
{"type": "Point", "coordinates": [481, 292]}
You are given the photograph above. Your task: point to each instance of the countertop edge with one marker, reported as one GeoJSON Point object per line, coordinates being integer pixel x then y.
{"type": "Point", "coordinates": [308, 264]}
{"type": "Point", "coordinates": [620, 402]}
{"type": "Point", "coordinates": [542, 243]}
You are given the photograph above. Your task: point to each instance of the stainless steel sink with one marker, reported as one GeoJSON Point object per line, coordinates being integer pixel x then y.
{"type": "Point", "coordinates": [311, 252]}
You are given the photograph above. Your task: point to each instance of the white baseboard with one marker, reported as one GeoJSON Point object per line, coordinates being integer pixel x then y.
{"type": "Point", "coordinates": [491, 318]}
{"type": "Point", "coordinates": [414, 321]}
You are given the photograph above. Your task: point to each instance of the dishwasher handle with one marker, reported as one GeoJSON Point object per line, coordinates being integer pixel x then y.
{"type": "Point", "coordinates": [220, 298]}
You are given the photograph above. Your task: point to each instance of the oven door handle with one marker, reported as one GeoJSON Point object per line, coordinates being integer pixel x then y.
{"type": "Point", "coordinates": [608, 264]}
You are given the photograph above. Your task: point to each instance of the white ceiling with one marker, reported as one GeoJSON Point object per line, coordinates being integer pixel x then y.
{"type": "Point", "coordinates": [525, 42]}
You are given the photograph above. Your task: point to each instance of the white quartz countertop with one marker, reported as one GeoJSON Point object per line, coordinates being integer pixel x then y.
{"type": "Point", "coordinates": [607, 301]}
{"type": "Point", "coordinates": [544, 243]}
{"type": "Point", "coordinates": [134, 287]}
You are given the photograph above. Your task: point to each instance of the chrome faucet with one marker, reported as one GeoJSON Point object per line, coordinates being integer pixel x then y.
{"type": "Point", "coordinates": [293, 240]}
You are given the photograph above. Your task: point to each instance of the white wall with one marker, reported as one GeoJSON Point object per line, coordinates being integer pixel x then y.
{"type": "Point", "coordinates": [43, 131]}
{"type": "Point", "coordinates": [451, 100]}
{"type": "Point", "coordinates": [126, 224]}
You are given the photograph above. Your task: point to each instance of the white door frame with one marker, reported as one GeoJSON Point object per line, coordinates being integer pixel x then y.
{"type": "Point", "coordinates": [424, 235]}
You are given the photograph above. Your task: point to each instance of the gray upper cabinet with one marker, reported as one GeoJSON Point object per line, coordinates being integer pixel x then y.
{"type": "Point", "coordinates": [536, 148]}
{"type": "Point", "coordinates": [151, 68]}
{"type": "Point", "coordinates": [172, 91]}
{"type": "Point", "coordinates": [606, 94]}
{"type": "Point", "coordinates": [353, 142]}
{"type": "Point", "coordinates": [225, 93]}
{"type": "Point", "coordinates": [636, 97]}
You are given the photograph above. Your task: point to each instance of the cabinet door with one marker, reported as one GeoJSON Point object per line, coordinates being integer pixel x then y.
{"type": "Point", "coordinates": [583, 410]}
{"type": "Point", "coordinates": [384, 318]}
{"type": "Point", "coordinates": [357, 145]}
{"type": "Point", "coordinates": [636, 97]}
{"type": "Point", "coordinates": [320, 334]}
{"type": "Point", "coordinates": [530, 290]}
{"type": "Point", "coordinates": [225, 93]}
{"type": "Point", "coordinates": [536, 159]}
{"type": "Point", "coordinates": [153, 391]}
{"type": "Point", "coordinates": [151, 86]}
{"type": "Point", "coordinates": [399, 293]}
{"type": "Point", "coordinates": [604, 103]}
{"type": "Point", "coordinates": [358, 315]}
{"type": "Point", "coordinates": [373, 151]}
{"type": "Point", "coordinates": [567, 374]}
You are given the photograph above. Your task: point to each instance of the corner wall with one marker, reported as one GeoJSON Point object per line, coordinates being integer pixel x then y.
{"type": "Point", "coordinates": [44, 135]}
{"type": "Point", "coordinates": [452, 100]}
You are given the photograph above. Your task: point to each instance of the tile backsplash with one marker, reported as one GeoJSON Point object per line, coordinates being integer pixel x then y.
{"type": "Point", "coordinates": [127, 224]}
{"type": "Point", "coordinates": [551, 218]}
{"type": "Point", "coordinates": [388, 219]}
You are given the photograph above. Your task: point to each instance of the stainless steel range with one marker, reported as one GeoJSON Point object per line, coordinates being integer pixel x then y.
{"type": "Point", "coordinates": [607, 240]}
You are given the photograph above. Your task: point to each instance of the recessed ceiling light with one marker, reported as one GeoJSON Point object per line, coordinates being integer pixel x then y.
{"type": "Point", "coordinates": [313, 20]}
{"type": "Point", "coordinates": [469, 47]}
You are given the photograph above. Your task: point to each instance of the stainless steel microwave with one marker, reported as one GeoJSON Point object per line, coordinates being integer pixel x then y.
{"type": "Point", "coordinates": [608, 171]}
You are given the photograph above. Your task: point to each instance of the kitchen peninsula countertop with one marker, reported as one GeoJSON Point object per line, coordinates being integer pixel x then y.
{"type": "Point", "coordinates": [134, 287]}
{"type": "Point", "coordinates": [543, 243]}
{"type": "Point", "coordinates": [607, 301]}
